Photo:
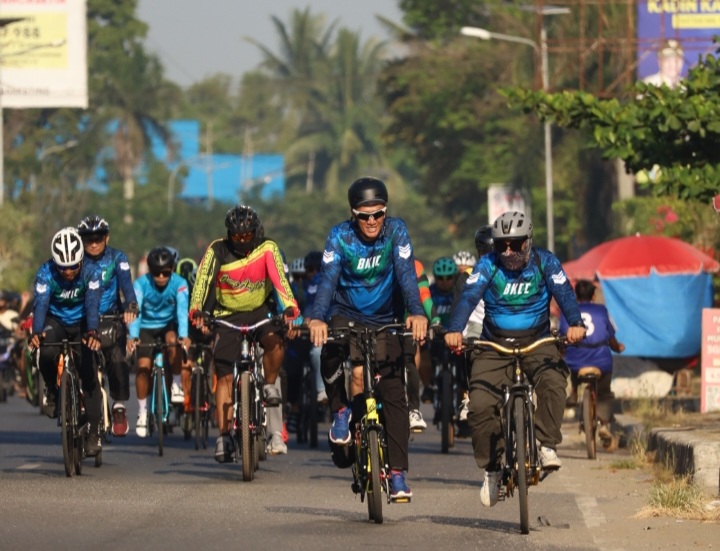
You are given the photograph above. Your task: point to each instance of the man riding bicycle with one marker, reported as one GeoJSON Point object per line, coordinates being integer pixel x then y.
{"type": "Point", "coordinates": [364, 258]}
{"type": "Point", "coordinates": [116, 277]}
{"type": "Point", "coordinates": [67, 306]}
{"type": "Point", "coordinates": [517, 282]}
{"type": "Point", "coordinates": [235, 278]}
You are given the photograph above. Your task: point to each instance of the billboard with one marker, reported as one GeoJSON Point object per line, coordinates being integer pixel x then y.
{"type": "Point", "coordinates": [43, 54]}
{"type": "Point", "coordinates": [503, 198]}
{"type": "Point", "coordinates": [671, 35]}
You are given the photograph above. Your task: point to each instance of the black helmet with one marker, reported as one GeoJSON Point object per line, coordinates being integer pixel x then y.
{"type": "Point", "coordinates": [367, 190]}
{"type": "Point", "coordinates": [241, 219]}
{"type": "Point", "coordinates": [313, 261]}
{"type": "Point", "coordinates": [484, 239]}
{"type": "Point", "coordinates": [93, 224]}
{"type": "Point", "coordinates": [160, 258]}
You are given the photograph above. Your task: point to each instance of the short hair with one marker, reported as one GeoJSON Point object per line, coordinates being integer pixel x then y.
{"type": "Point", "coordinates": [584, 290]}
{"type": "Point", "coordinates": [670, 48]}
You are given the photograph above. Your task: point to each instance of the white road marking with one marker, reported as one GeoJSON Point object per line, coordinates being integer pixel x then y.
{"type": "Point", "coordinates": [28, 466]}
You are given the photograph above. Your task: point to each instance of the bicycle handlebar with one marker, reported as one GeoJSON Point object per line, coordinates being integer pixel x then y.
{"type": "Point", "coordinates": [516, 350]}
{"type": "Point", "coordinates": [211, 320]}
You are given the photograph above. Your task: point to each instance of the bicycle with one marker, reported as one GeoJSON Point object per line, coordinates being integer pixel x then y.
{"type": "Point", "coordinates": [201, 397]}
{"type": "Point", "coordinates": [159, 407]}
{"type": "Point", "coordinates": [248, 423]}
{"type": "Point", "coordinates": [310, 411]}
{"type": "Point", "coordinates": [521, 466]}
{"type": "Point", "coordinates": [73, 424]}
{"type": "Point", "coordinates": [371, 471]}
{"type": "Point", "coordinates": [589, 421]}
{"type": "Point", "coordinates": [445, 402]}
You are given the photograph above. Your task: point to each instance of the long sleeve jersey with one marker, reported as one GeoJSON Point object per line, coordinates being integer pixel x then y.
{"type": "Point", "coordinates": [70, 302]}
{"type": "Point", "coordinates": [358, 277]}
{"type": "Point", "coordinates": [160, 307]}
{"type": "Point", "coordinates": [516, 302]}
{"type": "Point", "coordinates": [227, 283]}
{"type": "Point", "coordinates": [115, 276]}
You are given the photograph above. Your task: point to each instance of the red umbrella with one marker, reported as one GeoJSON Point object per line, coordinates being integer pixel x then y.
{"type": "Point", "coordinates": [637, 256]}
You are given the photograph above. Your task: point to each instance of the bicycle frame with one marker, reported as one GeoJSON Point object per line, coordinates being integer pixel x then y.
{"type": "Point", "coordinates": [589, 376]}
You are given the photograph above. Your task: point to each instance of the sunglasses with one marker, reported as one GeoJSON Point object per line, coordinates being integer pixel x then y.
{"type": "Point", "coordinates": [93, 239]}
{"type": "Point", "coordinates": [73, 268]}
{"type": "Point", "coordinates": [366, 216]}
{"type": "Point", "coordinates": [444, 278]}
{"type": "Point", "coordinates": [516, 245]}
{"type": "Point", "coordinates": [242, 237]}
{"type": "Point", "coordinates": [162, 273]}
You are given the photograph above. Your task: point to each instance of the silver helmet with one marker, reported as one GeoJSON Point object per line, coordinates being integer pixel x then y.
{"type": "Point", "coordinates": [512, 239]}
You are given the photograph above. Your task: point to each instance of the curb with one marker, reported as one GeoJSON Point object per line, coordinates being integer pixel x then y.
{"type": "Point", "coordinates": [688, 451]}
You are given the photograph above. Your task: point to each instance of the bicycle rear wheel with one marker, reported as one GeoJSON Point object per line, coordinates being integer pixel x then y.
{"type": "Point", "coordinates": [520, 422]}
{"type": "Point", "coordinates": [374, 491]}
{"type": "Point", "coordinates": [67, 425]}
{"type": "Point", "coordinates": [247, 440]}
{"type": "Point", "coordinates": [447, 430]}
{"type": "Point", "coordinates": [159, 408]}
{"type": "Point", "coordinates": [589, 421]}
{"type": "Point", "coordinates": [198, 386]}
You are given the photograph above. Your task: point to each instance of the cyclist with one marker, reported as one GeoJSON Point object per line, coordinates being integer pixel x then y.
{"type": "Point", "coordinates": [594, 351]}
{"type": "Point", "coordinates": [116, 277]}
{"type": "Point", "coordinates": [364, 258]}
{"type": "Point", "coordinates": [483, 245]}
{"type": "Point", "coordinates": [162, 297]}
{"type": "Point", "coordinates": [517, 282]}
{"type": "Point", "coordinates": [235, 278]}
{"type": "Point", "coordinates": [67, 306]}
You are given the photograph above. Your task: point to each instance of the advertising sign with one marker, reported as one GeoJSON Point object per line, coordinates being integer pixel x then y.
{"type": "Point", "coordinates": [43, 54]}
{"type": "Point", "coordinates": [503, 198]}
{"type": "Point", "coordinates": [671, 35]}
{"type": "Point", "coordinates": [710, 358]}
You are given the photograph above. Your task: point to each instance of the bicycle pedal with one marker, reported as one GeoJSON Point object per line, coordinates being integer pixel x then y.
{"type": "Point", "coordinates": [417, 431]}
{"type": "Point", "coordinates": [401, 499]}
{"type": "Point", "coordinates": [355, 487]}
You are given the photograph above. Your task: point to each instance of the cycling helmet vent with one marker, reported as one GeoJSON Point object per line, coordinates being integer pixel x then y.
{"type": "Point", "coordinates": [160, 258]}
{"type": "Point", "coordinates": [241, 219]}
{"type": "Point", "coordinates": [93, 224]}
{"type": "Point", "coordinates": [483, 238]}
{"type": "Point", "coordinates": [464, 258]}
{"type": "Point", "coordinates": [67, 248]}
{"type": "Point", "coordinates": [297, 266]}
{"type": "Point", "coordinates": [512, 225]}
{"type": "Point", "coordinates": [444, 267]}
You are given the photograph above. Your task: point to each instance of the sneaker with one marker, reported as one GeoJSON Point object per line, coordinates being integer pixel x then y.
{"type": "Point", "coordinates": [417, 423]}
{"type": "Point", "coordinates": [51, 408]}
{"type": "Point", "coordinates": [276, 446]}
{"type": "Point", "coordinates": [428, 395]}
{"type": "Point", "coordinates": [490, 488]}
{"type": "Point", "coordinates": [549, 459]}
{"type": "Point", "coordinates": [141, 426]}
{"type": "Point", "coordinates": [272, 396]}
{"type": "Point", "coordinates": [340, 430]}
{"type": "Point", "coordinates": [322, 397]}
{"type": "Point", "coordinates": [398, 488]}
{"type": "Point", "coordinates": [177, 396]}
{"type": "Point", "coordinates": [224, 448]}
{"type": "Point", "coordinates": [284, 434]}
{"type": "Point", "coordinates": [120, 425]}
{"type": "Point", "coordinates": [464, 408]}
{"type": "Point", "coordinates": [93, 445]}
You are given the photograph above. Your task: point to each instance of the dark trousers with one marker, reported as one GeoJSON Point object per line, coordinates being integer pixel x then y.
{"type": "Point", "coordinates": [390, 389]}
{"type": "Point", "coordinates": [84, 363]}
{"type": "Point", "coordinates": [117, 368]}
{"type": "Point", "coordinates": [490, 371]}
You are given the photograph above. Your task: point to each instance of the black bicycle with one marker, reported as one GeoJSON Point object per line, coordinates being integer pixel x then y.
{"type": "Point", "coordinates": [201, 394]}
{"type": "Point", "coordinates": [445, 402]}
{"type": "Point", "coordinates": [521, 466]}
{"type": "Point", "coordinates": [248, 423]}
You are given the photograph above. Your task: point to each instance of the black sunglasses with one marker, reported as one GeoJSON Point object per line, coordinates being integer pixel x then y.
{"type": "Point", "coordinates": [162, 273]}
{"type": "Point", "coordinates": [444, 278]}
{"type": "Point", "coordinates": [516, 245]}
{"type": "Point", "coordinates": [97, 238]}
{"type": "Point", "coordinates": [72, 268]}
{"type": "Point", "coordinates": [366, 216]}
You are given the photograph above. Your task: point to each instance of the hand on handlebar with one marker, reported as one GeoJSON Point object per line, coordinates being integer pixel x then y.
{"type": "Point", "coordinates": [131, 345]}
{"type": "Point", "coordinates": [92, 340]}
{"type": "Point", "coordinates": [35, 340]}
{"type": "Point", "coordinates": [454, 340]}
{"type": "Point", "coordinates": [419, 326]}
{"type": "Point", "coordinates": [318, 332]}
{"type": "Point", "coordinates": [575, 334]}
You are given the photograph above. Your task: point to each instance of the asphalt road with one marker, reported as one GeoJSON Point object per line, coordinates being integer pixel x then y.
{"type": "Point", "coordinates": [184, 500]}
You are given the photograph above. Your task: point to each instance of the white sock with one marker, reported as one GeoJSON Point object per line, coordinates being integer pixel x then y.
{"type": "Point", "coordinates": [142, 403]}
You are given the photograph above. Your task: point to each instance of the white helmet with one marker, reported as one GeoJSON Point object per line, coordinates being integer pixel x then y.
{"type": "Point", "coordinates": [297, 266]}
{"type": "Point", "coordinates": [464, 258]}
{"type": "Point", "coordinates": [67, 247]}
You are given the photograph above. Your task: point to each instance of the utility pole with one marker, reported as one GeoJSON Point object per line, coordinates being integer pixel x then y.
{"type": "Point", "coordinates": [209, 164]}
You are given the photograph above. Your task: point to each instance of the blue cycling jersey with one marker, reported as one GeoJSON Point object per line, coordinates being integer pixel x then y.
{"type": "Point", "coordinates": [115, 275]}
{"type": "Point", "coordinates": [517, 303]}
{"type": "Point", "coordinates": [594, 349]}
{"type": "Point", "coordinates": [161, 307]}
{"type": "Point", "coordinates": [70, 302]}
{"type": "Point", "coordinates": [358, 277]}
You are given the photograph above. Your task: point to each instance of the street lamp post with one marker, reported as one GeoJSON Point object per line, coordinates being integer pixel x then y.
{"type": "Point", "coordinates": [542, 50]}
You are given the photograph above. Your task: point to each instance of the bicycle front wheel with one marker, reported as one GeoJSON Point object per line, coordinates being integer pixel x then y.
{"type": "Point", "coordinates": [67, 424]}
{"type": "Point", "coordinates": [198, 395]}
{"type": "Point", "coordinates": [247, 440]}
{"type": "Point", "coordinates": [589, 421]}
{"type": "Point", "coordinates": [522, 466]}
{"type": "Point", "coordinates": [447, 429]}
{"type": "Point", "coordinates": [159, 408]}
{"type": "Point", "coordinates": [374, 491]}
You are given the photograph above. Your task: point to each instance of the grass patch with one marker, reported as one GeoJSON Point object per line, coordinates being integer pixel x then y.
{"type": "Point", "coordinates": [678, 497]}
{"type": "Point", "coordinates": [654, 412]}
{"type": "Point", "coordinates": [637, 458]}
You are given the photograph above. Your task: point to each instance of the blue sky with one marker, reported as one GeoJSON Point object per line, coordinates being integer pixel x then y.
{"type": "Point", "coordinates": [196, 39]}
